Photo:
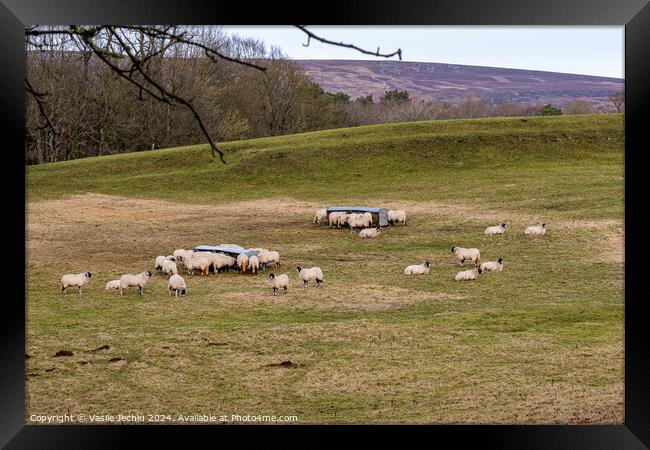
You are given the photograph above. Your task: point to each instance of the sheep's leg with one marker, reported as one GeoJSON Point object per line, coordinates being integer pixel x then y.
{"type": "Point", "coordinates": [79, 290]}
{"type": "Point", "coordinates": [141, 290]}
{"type": "Point", "coordinates": [273, 290]}
{"type": "Point", "coordinates": [285, 289]}
{"type": "Point", "coordinates": [319, 283]}
{"type": "Point", "coordinates": [462, 261]}
{"type": "Point", "coordinates": [304, 285]}
{"type": "Point", "coordinates": [121, 291]}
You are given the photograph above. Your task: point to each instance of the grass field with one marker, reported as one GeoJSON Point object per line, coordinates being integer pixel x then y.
{"type": "Point", "coordinates": [541, 342]}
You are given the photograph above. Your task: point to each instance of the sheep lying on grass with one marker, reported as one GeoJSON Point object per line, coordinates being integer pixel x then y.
{"type": "Point", "coordinates": [497, 229]}
{"type": "Point", "coordinates": [467, 275]}
{"type": "Point", "coordinates": [177, 285]}
{"type": "Point", "coordinates": [312, 274]}
{"type": "Point", "coordinates": [139, 280]}
{"type": "Point", "coordinates": [463, 254]}
{"type": "Point", "coordinates": [278, 282]}
{"type": "Point", "coordinates": [538, 230]}
{"type": "Point", "coordinates": [75, 279]}
{"type": "Point", "coordinates": [492, 266]}
{"type": "Point", "coordinates": [114, 284]}
{"type": "Point", "coordinates": [417, 269]}
{"type": "Point", "coordinates": [370, 232]}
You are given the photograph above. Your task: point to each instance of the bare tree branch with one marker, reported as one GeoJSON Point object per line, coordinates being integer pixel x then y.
{"type": "Point", "coordinates": [39, 97]}
{"type": "Point", "coordinates": [311, 35]}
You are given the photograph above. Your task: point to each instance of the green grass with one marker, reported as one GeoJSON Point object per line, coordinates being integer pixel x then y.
{"type": "Point", "coordinates": [541, 342]}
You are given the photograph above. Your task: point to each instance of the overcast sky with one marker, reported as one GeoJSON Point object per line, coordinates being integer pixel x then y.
{"type": "Point", "coordinates": [579, 50]}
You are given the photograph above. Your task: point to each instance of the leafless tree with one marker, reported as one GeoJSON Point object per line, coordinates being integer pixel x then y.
{"type": "Point", "coordinates": [135, 54]}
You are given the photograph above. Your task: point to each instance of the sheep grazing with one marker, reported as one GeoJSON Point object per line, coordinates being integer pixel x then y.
{"type": "Point", "coordinates": [336, 219]}
{"type": "Point", "coordinates": [242, 261]}
{"type": "Point", "coordinates": [222, 262]}
{"type": "Point", "coordinates": [169, 268]}
{"type": "Point", "coordinates": [497, 229]}
{"type": "Point", "coordinates": [359, 221]}
{"type": "Point", "coordinates": [417, 269]}
{"type": "Point", "coordinates": [467, 275]}
{"type": "Point", "coordinates": [538, 230]}
{"type": "Point", "coordinates": [139, 280]}
{"type": "Point", "coordinates": [313, 274]}
{"type": "Point", "coordinates": [75, 279]}
{"type": "Point", "coordinates": [320, 216]}
{"type": "Point", "coordinates": [274, 258]}
{"type": "Point", "coordinates": [278, 282]}
{"type": "Point", "coordinates": [370, 232]}
{"type": "Point", "coordinates": [253, 264]}
{"type": "Point", "coordinates": [197, 262]}
{"type": "Point", "coordinates": [158, 263]}
{"type": "Point", "coordinates": [492, 266]}
{"type": "Point", "coordinates": [177, 285]}
{"type": "Point", "coordinates": [396, 216]}
{"type": "Point", "coordinates": [114, 284]}
{"type": "Point", "coordinates": [181, 255]}
{"type": "Point", "coordinates": [463, 254]}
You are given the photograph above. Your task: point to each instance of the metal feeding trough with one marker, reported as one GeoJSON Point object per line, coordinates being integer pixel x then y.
{"type": "Point", "coordinates": [379, 215]}
{"type": "Point", "coordinates": [230, 251]}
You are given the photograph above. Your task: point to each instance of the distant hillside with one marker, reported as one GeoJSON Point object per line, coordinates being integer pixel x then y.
{"type": "Point", "coordinates": [451, 82]}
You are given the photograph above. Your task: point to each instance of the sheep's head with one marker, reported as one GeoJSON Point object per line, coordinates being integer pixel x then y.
{"type": "Point", "coordinates": [171, 258]}
{"type": "Point", "coordinates": [543, 225]}
{"type": "Point", "coordinates": [88, 274]}
{"type": "Point", "coordinates": [298, 269]}
{"type": "Point", "coordinates": [426, 264]}
{"type": "Point", "coordinates": [453, 249]}
{"type": "Point", "coordinates": [183, 291]}
{"type": "Point", "coordinates": [148, 273]}
{"type": "Point", "coordinates": [479, 270]}
{"type": "Point", "coordinates": [271, 275]}
{"type": "Point", "coordinates": [500, 260]}
{"type": "Point", "coordinates": [503, 225]}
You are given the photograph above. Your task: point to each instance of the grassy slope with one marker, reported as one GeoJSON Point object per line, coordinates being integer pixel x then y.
{"type": "Point", "coordinates": [536, 163]}
{"type": "Point", "coordinates": [541, 342]}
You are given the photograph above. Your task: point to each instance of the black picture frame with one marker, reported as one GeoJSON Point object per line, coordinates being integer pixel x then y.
{"type": "Point", "coordinates": [633, 14]}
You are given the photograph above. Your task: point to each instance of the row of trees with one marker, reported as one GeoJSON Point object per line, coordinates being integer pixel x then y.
{"type": "Point", "coordinates": [82, 107]}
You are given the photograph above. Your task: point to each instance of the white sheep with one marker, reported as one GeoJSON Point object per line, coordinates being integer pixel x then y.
{"type": "Point", "coordinates": [337, 219]}
{"type": "Point", "coordinates": [463, 254]}
{"type": "Point", "coordinates": [223, 262]}
{"type": "Point", "coordinates": [253, 264]}
{"type": "Point", "coordinates": [370, 232]}
{"type": "Point", "coordinates": [497, 229]}
{"type": "Point", "coordinates": [320, 215]}
{"type": "Point", "coordinates": [181, 255]}
{"type": "Point", "coordinates": [197, 262]}
{"type": "Point", "coordinates": [417, 269]}
{"type": "Point", "coordinates": [242, 261]}
{"type": "Point", "coordinates": [160, 260]}
{"type": "Point", "coordinates": [139, 280]}
{"type": "Point", "coordinates": [355, 221]}
{"type": "Point", "coordinates": [273, 258]}
{"type": "Point", "coordinates": [312, 274]}
{"type": "Point", "coordinates": [176, 284]}
{"type": "Point", "coordinates": [169, 268]}
{"type": "Point", "coordinates": [278, 282]}
{"type": "Point", "coordinates": [538, 230]}
{"type": "Point", "coordinates": [492, 266]}
{"type": "Point", "coordinates": [75, 279]}
{"type": "Point", "coordinates": [396, 216]}
{"type": "Point", "coordinates": [467, 275]}
{"type": "Point", "coordinates": [113, 284]}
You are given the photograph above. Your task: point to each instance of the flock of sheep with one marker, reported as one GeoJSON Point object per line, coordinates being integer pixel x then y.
{"type": "Point", "coordinates": [364, 221]}
{"type": "Point", "coordinates": [203, 261]}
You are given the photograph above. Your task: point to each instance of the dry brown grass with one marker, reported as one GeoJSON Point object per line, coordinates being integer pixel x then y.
{"type": "Point", "coordinates": [371, 346]}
